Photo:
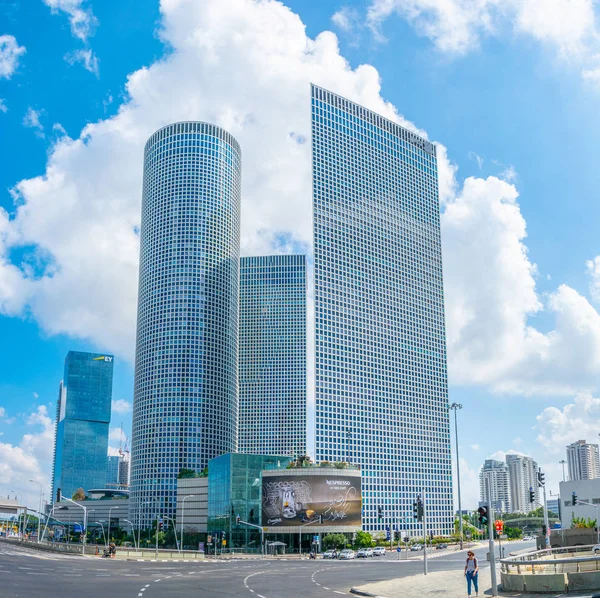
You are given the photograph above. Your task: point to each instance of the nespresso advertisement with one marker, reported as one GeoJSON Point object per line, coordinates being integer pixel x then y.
{"type": "Point", "coordinates": [295, 500]}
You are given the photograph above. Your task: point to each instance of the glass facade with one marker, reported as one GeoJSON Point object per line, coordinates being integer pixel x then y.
{"type": "Point", "coordinates": [185, 408]}
{"type": "Point", "coordinates": [272, 358]}
{"type": "Point", "coordinates": [235, 488]}
{"type": "Point", "coordinates": [82, 422]}
{"type": "Point", "coordinates": [112, 470]}
{"type": "Point", "coordinates": [381, 381]}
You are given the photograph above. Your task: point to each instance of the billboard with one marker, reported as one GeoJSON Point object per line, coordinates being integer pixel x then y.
{"type": "Point", "coordinates": [289, 501]}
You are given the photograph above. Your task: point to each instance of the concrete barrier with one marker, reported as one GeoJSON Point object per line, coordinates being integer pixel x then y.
{"type": "Point", "coordinates": [584, 581]}
{"type": "Point", "coordinates": [512, 583]}
{"type": "Point", "coordinates": [546, 582]}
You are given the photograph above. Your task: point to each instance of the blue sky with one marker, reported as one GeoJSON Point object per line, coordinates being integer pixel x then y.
{"type": "Point", "coordinates": [512, 95]}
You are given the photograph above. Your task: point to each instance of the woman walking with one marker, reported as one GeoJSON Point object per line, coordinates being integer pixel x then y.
{"type": "Point", "coordinates": [471, 573]}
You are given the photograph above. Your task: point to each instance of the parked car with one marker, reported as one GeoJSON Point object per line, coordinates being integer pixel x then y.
{"type": "Point", "coordinates": [441, 546]}
{"type": "Point", "coordinates": [364, 553]}
{"type": "Point", "coordinates": [416, 547]}
{"type": "Point", "coordinates": [379, 551]}
{"type": "Point", "coordinates": [347, 555]}
{"type": "Point", "coordinates": [330, 554]}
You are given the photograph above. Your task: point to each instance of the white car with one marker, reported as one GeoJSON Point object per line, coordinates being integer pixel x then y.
{"type": "Point", "coordinates": [347, 555]}
{"type": "Point", "coordinates": [379, 551]}
{"type": "Point", "coordinates": [363, 553]}
{"type": "Point", "coordinates": [416, 547]}
{"type": "Point", "coordinates": [330, 554]}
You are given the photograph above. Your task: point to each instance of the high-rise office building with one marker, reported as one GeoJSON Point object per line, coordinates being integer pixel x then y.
{"type": "Point", "coordinates": [523, 478]}
{"type": "Point", "coordinates": [381, 388]}
{"type": "Point", "coordinates": [185, 409]}
{"type": "Point", "coordinates": [82, 422]}
{"type": "Point", "coordinates": [113, 463]}
{"type": "Point", "coordinates": [583, 461]}
{"type": "Point", "coordinates": [494, 475]}
{"type": "Point", "coordinates": [272, 355]}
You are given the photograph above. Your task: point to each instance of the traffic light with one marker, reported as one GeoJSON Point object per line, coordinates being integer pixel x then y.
{"type": "Point", "coordinates": [416, 509]}
{"type": "Point", "coordinates": [541, 480]}
{"type": "Point", "coordinates": [574, 499]}
{"type": "Point", "coordinates": [396, 536]}
{"type": "Point", "coordinates": [431, 536]}
{"type": "Point", "coordinates": [160, 525]}
{"type": "Point", "coordinates": [321, 519]}
{"type": "Point", "coordinates": [531, 494]}
{"type": "Point", "coordinates": [237, 520]}
{"type": "Point", "coordinates": [379, 513]}
{"type": "Point", "coordinates": [483, 515]}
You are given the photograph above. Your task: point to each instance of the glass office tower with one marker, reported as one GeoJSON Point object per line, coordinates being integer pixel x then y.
{"type": "Point", "coordinates": [82, 422]}
{"type": "Point", "coordinates": [185, 409]}
{"type": "Point", "coordinates": [381, 382]}
{"type": "Point", "coordinates": [272, 355]}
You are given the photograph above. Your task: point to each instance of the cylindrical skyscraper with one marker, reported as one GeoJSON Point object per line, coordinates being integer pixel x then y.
{"type": "Point", "coordinates": [185, 408]}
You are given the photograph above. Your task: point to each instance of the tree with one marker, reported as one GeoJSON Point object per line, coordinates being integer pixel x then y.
{"type": "Point", "coordinates": [363, 540]}
{"type": "Point", "coordinates": [334, 541]}
{"type": "Point", "coordinates": [513, 533]}
{"type": "Point", "coordinates": [185, 473]}
{"type": "Point", "coordinates": [79, 494]}
{"type": "Point", "coordinates": [582, 522]}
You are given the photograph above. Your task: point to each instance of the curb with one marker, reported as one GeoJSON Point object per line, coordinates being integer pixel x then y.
{"type": "Point", "coordinates": [361, 593]}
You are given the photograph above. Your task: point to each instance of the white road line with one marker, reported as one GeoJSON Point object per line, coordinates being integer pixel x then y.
{"type": "Point", "coordinates": [156, 580]}
{"type": "Point", "coordinates": [325, 588]}
{"type": "Point", "coordinates": [337, 592]}
{"type": "Point", "coordinates": [147, 585]}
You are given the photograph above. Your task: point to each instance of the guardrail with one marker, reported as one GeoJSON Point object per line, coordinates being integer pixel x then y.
{"type": "Point", "coordinates": [552, 560]}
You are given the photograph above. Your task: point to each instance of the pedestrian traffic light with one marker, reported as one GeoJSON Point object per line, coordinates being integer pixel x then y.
{"type": "Point", "coordinates": [431, 536]}
{"type": "Point", "coordinates": [379, 513]}
{"type": "Point", "coordinates": [574, 499]}
{"type": "Point", "coordinates": [237, 520]}
{"type": "Point", "coordinates": [531, 494]}
{"type": "Point", "coordinates": [483, 515]}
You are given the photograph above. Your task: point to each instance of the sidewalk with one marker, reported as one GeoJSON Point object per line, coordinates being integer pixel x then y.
{"type": "Point", "coordinates": [449, 584]}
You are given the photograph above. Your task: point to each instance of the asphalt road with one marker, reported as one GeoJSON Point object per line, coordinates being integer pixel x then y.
{"type": "Point", "coordinates": [29, 573]}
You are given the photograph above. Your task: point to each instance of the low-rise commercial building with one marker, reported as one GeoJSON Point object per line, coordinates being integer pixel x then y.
{"type": "Point", "coordinates": [192, 504]}
{"type": "Point", "coordinates": [588, 500]}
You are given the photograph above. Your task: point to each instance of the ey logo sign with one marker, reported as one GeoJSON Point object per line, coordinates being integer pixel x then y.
{"type": "Point", "coordinates": [103, 358]}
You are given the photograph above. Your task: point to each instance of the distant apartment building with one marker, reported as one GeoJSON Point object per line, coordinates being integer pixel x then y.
{"type": "Point", "coordinates": [494, 485]}
{"type": "Point", "coordinates": [82, 422]}
{"type": "Point", "coordinates": [523, 478]}
{"type": "Point", "coordinates": [583, 461]}
{"type": "Point", "coordinates": [272, 355]}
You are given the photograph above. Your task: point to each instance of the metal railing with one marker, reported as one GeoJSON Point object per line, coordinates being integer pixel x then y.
{"type": "Point", "coordinates": [553, 560]}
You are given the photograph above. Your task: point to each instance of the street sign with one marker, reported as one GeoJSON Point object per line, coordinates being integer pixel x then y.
{"type": "Point", "coordinates": [398, 549]}
{"type": "Point", "coordinates": [503, 536]}
{"type": "Point", "coordinates": [468, 533]}
{"type": "Point", "coordinates": [499, 525]}
{"type": "Point", "coordinates": [265, 529]}
{"type": "Point", "coordinates": [209, 539]}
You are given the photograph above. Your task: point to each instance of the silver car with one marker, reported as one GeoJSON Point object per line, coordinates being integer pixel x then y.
{"type": "Point", "coordinates": [347, 555]}
{"type": "Point", "coordinates": [379, 551]}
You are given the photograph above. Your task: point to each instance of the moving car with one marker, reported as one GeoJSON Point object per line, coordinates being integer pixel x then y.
{"type": "Point", "coordinates": [330, 554]}
{"type": "Point", "coordinates": [346, 555]}
{"type": "Point", "coordinates": [416, 547]}
{"type": "Point", "coordinates": [441, 546]}
{"type": "Point", "coordinates": [379, 551]}
{"type": "Point", "coordinates": [364, 553]}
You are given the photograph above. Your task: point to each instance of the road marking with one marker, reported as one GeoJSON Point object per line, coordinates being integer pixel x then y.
{"type": "Point", "coordinates": [337, 592]}
{"type": "Point", "coordinates": [156, 580]}
{"type": "Point", "coordinates": [34, 573]}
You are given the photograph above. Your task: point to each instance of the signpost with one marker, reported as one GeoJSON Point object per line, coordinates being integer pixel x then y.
{"type": "Point", "coordinates": [499, 527]}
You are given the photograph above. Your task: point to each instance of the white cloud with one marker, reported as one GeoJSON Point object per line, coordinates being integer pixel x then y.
{"type": "Point", "coordinates": [121, 406]}
{"type": "Point", "coordinates": [593, 269]}
{"type": "Point", "coordinates": [469, 485]}
{"type": "Point", "coordinates": [346, 19]}
{"type": "Point", "coordinates": [2, 411]}
{"type": "Point", "coordinates": [477, 158]}
{"type": "Point", "coordinates": [115, 434]}
{"type": "Point", "coordinates": [509, 174]}
{"type": "Point", "coordinates": [86, 57]}
{"type": "Point", "coordinates": [81, 19]}
{"type": "Point", "coordinates": [475, 447]}
{"type": "Point", "coordinates": [31, 120]}
{"type": "Point", "coordinates": [3, 106]}
{"type": "Point", "coordinates": [31, 459]}
{"type": "Point", "coordinates": [457, 26]}
{"type": "Point", "coordinates": [252, 63]}
{"type": "Point", "coordinates": [10, 51]}
{"type": "Point", "coordinates": [517, 441]}
{"type": "Point", "coordinates": [576, 421]}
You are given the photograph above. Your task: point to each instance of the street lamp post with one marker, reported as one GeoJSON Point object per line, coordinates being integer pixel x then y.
{"type": "Point", "coordinates": [174, 531]}
{"type": "Point", "coordinates": [108, 531]}
{"type": "Point", "coordinates": [84, 521]}
{"type": "Point", "coordinates": [563, 462]}
{"type": "Point", "coordinates": [456, 407]}
{"type": "Point", "coordinates": [103, 534]}
{"type": "Point", "coordinates": [133, 532]}
{"type": "Point", "coordinates": [182, 515]}
{"type": "Point", "coordinates": [40, 509]}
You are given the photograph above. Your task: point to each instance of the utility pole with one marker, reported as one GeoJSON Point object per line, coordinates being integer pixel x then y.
{"type": "Point", "coordinates": [424, 534]}
{"type": "Point", "coordinates": [562, 462]}
{"type": "Point", "coordinates": [491, 538]}
{"type": "Point", "coordinates": [456, 407]}
{"type": "Point", "coordinates": [542, 483]}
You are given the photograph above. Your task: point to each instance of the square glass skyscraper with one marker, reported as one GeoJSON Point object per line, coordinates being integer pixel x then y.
{"type": "Point", "coordinates": [82, 421]}
{"type": "Point", "coordinates": [272, 355]}
{"type": "Point", "coordinates": [381, 388]}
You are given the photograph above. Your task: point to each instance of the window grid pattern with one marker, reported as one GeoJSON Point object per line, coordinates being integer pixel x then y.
{"type": "Point", "coordinates": [381, 382]}
{"type": "Point", "coordinates": [185, 395]}
{"type": "Point", "coordinates": [272, 355]}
